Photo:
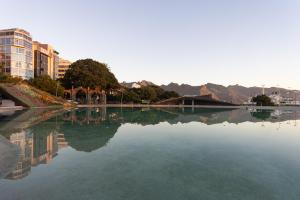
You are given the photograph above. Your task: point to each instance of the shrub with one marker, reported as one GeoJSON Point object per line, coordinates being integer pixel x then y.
{"type": "Point", "coordinates": [46, 84]}
{"type": "Point", "coordinates": [6, 78]}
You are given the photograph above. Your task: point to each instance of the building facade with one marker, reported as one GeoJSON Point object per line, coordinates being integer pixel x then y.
{"type": "Point", "coordinates": [16, 55]}
{"type": "Point", "coordinates": [41, 55]}
{"type": "Point", "coordinates": [45, 60]}
{"type": "Point", "coordinates": [63, 66]}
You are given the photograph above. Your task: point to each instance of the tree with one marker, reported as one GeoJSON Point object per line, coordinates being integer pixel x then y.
{"type": "Point", "coordinates": [46, 84]}
{"type": "Point", "coordinates": [167, 95]}
{"type": "Point", "coordinates": [89, 73]}
{"type": "Point", "coordinates": [1, 67]}
{"type": "Point", "coordinates": [263, 100]}
{"type": "Point", "coordinates": [136, 95]}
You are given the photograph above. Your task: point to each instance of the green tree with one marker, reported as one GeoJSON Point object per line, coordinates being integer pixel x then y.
{"type": "Point", "coordinates": [89, 73]}
{"type": "Point", "coordinates": [136, 95]}
{"type": "Point", "coordinates": [263, 100]}
{"type": "Point", "coordinates": [1, 67]}
{"type": "Point", "coordinates": [148, 93]}
{"type": "Point", "coordinates": [167, 95]}
{"type": "Point", "coordinates": [46, 84]}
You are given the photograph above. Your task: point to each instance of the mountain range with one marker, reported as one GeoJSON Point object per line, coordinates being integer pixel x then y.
{"type": "Point", "coordinates": [233, 93]}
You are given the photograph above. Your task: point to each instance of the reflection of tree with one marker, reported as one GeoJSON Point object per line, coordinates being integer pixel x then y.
{"type": "Point", "coordinates": [89, 137]}
{"type": "Point", "coordinates": [145, 116]}
{"type": "Point", "coordinates": [261, 114]}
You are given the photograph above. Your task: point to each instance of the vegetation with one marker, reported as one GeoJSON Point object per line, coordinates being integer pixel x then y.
{"type": "Point", "coordinates": [263, 100]}
{"type": "Point", "coordinates": [6, 78]}
{"type": "Point", "coordinates": [89, 73]}
{"type": "Point", "coordinates": [46, 84]}
{"type": "Point", "coordinates": [144, 94]}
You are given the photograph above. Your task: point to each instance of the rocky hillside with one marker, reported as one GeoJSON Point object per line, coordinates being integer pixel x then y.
{"type": "Point", "coordinates": [183, 89]}
{"type": "Point", "coordinates": [233, 93]}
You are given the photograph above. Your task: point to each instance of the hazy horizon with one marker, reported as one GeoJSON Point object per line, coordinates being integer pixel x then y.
{"type": "Point", "coordinates": [249, 43]}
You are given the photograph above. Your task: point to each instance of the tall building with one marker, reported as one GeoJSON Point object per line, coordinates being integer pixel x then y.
{"type": "Point", "coordinates": [63, 66]}
{"type": "Point", "coordinates": [41, 55]}
{"type": "Point", "coordinates": [16, 53]}
{"type": "Point", "coordinates": [45, 60]}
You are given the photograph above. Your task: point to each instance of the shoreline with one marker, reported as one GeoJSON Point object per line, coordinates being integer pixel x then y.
{"type": "Point", "coordinates": [155, 106]}
{"type": "Point", "coordinates": [188, 106]}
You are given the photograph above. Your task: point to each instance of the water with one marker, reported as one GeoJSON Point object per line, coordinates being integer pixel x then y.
{"type": "Point", "coordinates": [135, 153]}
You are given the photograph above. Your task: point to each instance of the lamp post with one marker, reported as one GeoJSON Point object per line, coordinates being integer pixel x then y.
{"type": "Point", "coordinates": [56, 88]}
{"type": "Point", "coordinates": [122, 98]}
{"type": "Point", "coordinates": [72, 90]}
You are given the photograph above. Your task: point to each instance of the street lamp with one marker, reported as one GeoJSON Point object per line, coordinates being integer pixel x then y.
{"type": "Point", "coordinates": [56, 88]}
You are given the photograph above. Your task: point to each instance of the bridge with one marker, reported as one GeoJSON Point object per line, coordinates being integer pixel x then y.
{"type": "Point", "coordinates": [86, 95]}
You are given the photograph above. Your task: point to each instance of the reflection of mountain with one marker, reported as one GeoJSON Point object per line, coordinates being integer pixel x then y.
{"type": "Point", "coordinates": [216, 116]}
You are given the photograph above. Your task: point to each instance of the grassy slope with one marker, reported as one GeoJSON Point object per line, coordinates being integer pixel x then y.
{"type": "Point", "coordinates": [29, 96]}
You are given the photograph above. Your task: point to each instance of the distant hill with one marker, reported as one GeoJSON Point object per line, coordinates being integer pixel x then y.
{"type": "Point", "coordinates": [142, 83]}
{"type": "Point", "coordinates": [233, 93]}
{"type": "Point", "coordinates": [183, 89]}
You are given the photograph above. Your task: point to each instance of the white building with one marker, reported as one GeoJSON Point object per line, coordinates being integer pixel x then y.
{"type": "Point", "coordinates": [16, 53]}
{"type": "Point", "coordinates": [135, 85]}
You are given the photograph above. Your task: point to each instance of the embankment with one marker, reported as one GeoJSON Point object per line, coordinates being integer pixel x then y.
{"type": "Point", "coordinates": [26, 95]}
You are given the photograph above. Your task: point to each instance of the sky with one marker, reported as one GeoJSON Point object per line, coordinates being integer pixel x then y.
{"type": "Point", "coordinates": [228, 42]}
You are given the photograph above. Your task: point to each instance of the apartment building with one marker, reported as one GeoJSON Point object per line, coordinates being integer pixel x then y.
{"type": "Point", "coordinates": [63, 66]}
{"type": "Point", "coordinates": [16, 57]}
{"type": "Point", "coordinates": [45, 60]}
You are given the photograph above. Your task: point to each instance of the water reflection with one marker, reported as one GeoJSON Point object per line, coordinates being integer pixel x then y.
{"type": "Point", "coordinates": [40, 134]}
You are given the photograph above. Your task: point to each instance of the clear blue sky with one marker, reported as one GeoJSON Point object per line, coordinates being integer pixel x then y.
{"type": "Point", "coordinates": [246, 42]}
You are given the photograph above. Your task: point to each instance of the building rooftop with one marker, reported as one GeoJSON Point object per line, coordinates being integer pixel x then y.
{"type": "Point", "coordinates": [16, 30]}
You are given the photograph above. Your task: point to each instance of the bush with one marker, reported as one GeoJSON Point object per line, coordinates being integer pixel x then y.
{"type": "Point", "coordinates": [6, 78]}
{"type": "Point", "coordinates": [263, 100]}
{"type": "Point", "coordinates": [147, 93]}
{"type": "Point", "coordinates": [46, 84]}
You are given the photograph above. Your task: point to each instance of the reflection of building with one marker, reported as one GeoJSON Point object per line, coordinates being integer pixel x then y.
{"type": "Point", "coordinates": [35, 149]}
{"type": "Point", "coordinates": [24, 141]}
{"type": "Point", "coordinates": [63, 66]}
{"type": "Point", "coordinates": [44, 148]}
{"type": "Point", "coordinates": [16, 53]}
{"type": "Point", "coordinates": [45, 60]}
{"type": "Point", "coordinates": [61, 141]}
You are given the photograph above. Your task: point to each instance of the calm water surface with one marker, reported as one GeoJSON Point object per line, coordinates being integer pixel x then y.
{"type": "Point", "coordinates": [135, 153]}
